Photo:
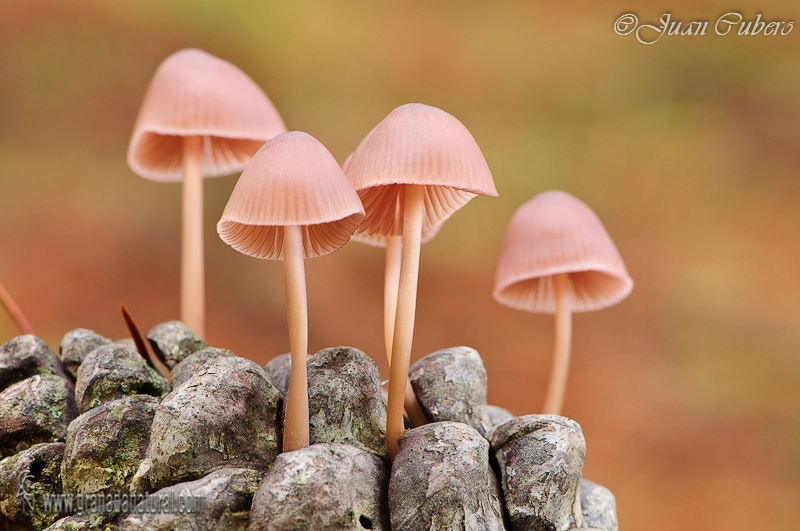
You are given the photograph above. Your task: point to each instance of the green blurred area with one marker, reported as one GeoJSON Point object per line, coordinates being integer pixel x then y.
{"type": "Point", "coordinates": [688, 150]}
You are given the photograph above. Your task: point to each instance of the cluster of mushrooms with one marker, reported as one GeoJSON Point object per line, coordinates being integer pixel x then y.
{"type": "Point", "coordinates": [204, 117]}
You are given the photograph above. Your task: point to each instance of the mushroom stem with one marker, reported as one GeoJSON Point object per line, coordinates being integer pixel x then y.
{"type": "Point", "coordinates": [391, 281]}
{"type": "Point", "coordinates": [15, 311]}
{"type": "Point", "coordinates": [563, 335]}
{"type": "Point", "coordinates": [295, 426]}
{"type": "Point", "coordinates": [406, 308]}
{"type": "Point", "coordinates": [192, 264]}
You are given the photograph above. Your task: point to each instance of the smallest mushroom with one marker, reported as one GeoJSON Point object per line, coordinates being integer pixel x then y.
{"type": "Point", "coordinates": [557, 258]}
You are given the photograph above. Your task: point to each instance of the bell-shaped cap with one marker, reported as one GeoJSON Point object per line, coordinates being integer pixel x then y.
{"type": "Point", "coordinates": [194, 93]}
{"type": "Point", "coordinates": [417, 144]}
{"type": "Point", "coordinates": [379, 240]}
{"type": "Point", "coordinates": [557, 233]}
{"type": "Point", "coordinates": [292, 180]}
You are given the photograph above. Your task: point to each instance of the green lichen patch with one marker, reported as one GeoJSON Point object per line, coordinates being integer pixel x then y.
{"type": "Point", "coordinates": [113, 371]}
{"type": "Point", "coordinates": [25, 356]}
{"type": "Point", "coordinates": [226, 496]}
{"type": "Point", "coordinates": [344, 400]}
{"type": "Point", "coordinates": [106, 445]}
{"type": "Point", "coordinates": [86, 522]}
{"type": "Point", "coordinates": [76, 345]}
{"type": "Point", "coordinates": [37, 470]}
{"type": "Point", "coordinates": [173, 342]}
{"type": "Point", "coordinates": [225, 415]}
{"type": "Point", "coordinates": [35, 410]}
{"type": "Point", "coordinates": [194, 362]}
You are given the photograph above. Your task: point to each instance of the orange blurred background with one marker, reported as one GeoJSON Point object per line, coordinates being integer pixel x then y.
{"type": "Point", "coordinates": [688, 149]}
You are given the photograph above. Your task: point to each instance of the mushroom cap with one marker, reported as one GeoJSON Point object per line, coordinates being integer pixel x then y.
{"type": "Point", "coordinates": [557, 233]}
{"type": "Point", "coordinates": [194, 93]}
{"type": "Point", "coordinates": [379, 240]}
{"type": "Point", "coordinates": [292, 180]}
{"type": "Point", "coordinates": [417, 144]}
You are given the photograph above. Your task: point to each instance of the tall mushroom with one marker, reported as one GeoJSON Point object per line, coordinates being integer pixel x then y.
{"type": "Point", "coordinates": [391, 279]}
{"type": "Point", "coordinates": [292, 202]}
{"type": "Point", "coordinates": [201, 116]}
{"type": "Point", "coordinates": [413, 171]}
{"type": "Point", "coordinates": [557, 258]}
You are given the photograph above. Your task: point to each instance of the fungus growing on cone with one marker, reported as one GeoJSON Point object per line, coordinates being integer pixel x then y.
{"type": "Point", "coordinates": [557, 258]}
{"type": "Point", "coordinates": [413, 171]}
{"type": "Point", "coordinates": [292, 202]}
{"type": "Point", "coordinates": [201, 117]}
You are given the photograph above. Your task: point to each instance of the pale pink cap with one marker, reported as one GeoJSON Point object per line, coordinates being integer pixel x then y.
{"type": "Point", "coordinates": [194, 93]}
{"type": "Point", "coordinates": [417, 144]}
{"type": "Point", "coordinates": [379, 240]}
{"type": "Point", "coordinates": [557, 233]}
{"type": "Point", "coordinates": [292, 180]}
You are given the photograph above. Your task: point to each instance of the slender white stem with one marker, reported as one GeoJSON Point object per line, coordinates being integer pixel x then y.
{"type": "Point", "coordinates": [193, 296]}
{"type": "Point", "coordinates": [394, 245]}
{"type": "Point", "coordinates": [392, 280]}
{"type": "Point", "coordinates": [295, 426]}
{"type": "Point", "coordinates": [406, 309]}
{"type": "Point", "coordinates": [563, 335]}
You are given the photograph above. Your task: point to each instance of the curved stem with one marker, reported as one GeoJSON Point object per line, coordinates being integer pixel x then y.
{"type": "Point", "coordinates": [563, 335]}
{"type": "Point", "coordinates": [295, 426]}
{"type": "Point", "coordinates": [391, 282]}
{"type": "Point", "coordinates": [193, 297]}
{"type": "Point", "coordinates": [406, 308]}
{"type": "Point", "coordinates": [414, 411]}
{"type": "Point", "coordinates": [15, 311]}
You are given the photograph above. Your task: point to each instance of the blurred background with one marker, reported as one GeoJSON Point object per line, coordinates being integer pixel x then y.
{"type": "Point", "coordinates": [688, 391]}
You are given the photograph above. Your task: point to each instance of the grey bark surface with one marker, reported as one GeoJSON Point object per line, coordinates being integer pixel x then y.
{"type": "Point", "coordinates": [24, 356]}
{"type": "Point", "coordinates": [278, 369]}
{"type": "Point", "coordinates": [450, 384]}
{"type": "Point", "coordinates": [323, 487]}
{"type": "Point", "coordinates": [344, 400]}
{"type": "Point", "coordinates": [140, 482]}
{"type": "Point", "coordinates": [76, 345]}
{"type": "Point", "coordinates": [173, 341]}
{"type": "Point", "coordinates": [106, 445]}
{"type": "Point", "coordinates": [541, 460]}
{"type": "Point", "coordinates": [219, 501]}
{"type": "Point", "coordinates": [86, 522]}
{"type": "Point", "coordinates": [441, 479]}
{"type": "Point", "coordinates": [224, 416]}
{"type": "Point", "coordinates": [194, 362]}
{"type": "Point", "coordinates": [35, 410]}
{"type": "Point", "coordinates": [113, 371]}
{"type": "Point", "coordinates": [38, 468]}
{"type": "Point", "coordinates": [498, 415]}
{"type": "Point", "coordinates": [598, 505]}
